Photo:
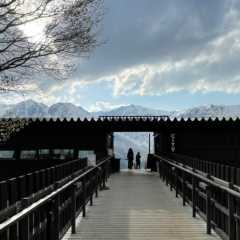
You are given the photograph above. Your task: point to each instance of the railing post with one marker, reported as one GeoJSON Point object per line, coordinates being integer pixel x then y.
{"type": "Point", "coordinates": [193, 196]}
{"type": "Point", "coordinates": [163, 171]}
{"type": "Point", "coordinates": [84, 197]}
{"type": "Point", "coordinates": [91, 200]}
{"type": "Point", "coordinates": [97, 184]}
{"type": "Point", "coordinates": [172, 178]}
{"type": "Point", "coordinates": [4, 204]}
{"type": "Point", "coordinates": [73, 220]}
{"type": "Point", "coordinates": [50, 221]}
{"type": "Point", "coordinates": [56, 218]}
{"type": "Point", "coordinates": [159, 168]}
{"type": "Point", "coordinates": [208, 209]}
{"type": "Point", "coordinates": [24, 224]}
{"type": "Point", "coordinates": [104, 177]}
{"type": "Point", "coordinates": [167, 174]}
{"type": "Point", "coordinates": [108, 170]}
{"type": "Point", "coordinates": [176, 182]}
{"type": "Point", "coordinates": [231, 220]}
{"type": "Point", "coordinates": [101, 178]}
{"type": "Point", "coordinates": [183, 188]}
{"type": "Point", "coordinates": [238, 220]}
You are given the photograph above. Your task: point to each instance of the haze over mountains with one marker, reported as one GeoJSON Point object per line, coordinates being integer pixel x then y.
{"type": "Point", "coordinates": [138, 141]}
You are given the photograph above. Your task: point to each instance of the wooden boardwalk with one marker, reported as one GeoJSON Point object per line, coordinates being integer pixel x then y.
{"type": "Point", "coordinates": [139, 206]}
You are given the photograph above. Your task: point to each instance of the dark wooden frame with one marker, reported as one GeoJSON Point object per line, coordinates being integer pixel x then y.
{"type": "Point", "coordinates": [215, 200]}
{"type": "Point", "coordinates": [49, 217]}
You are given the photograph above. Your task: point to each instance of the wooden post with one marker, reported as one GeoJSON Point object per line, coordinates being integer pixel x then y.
{"type": "Point", "coordinates": [163, 171]}
{"type": "Point", "coordinates": [84, 197]}
{"type": "Point", "coordinates": [176, 182]}
{"type": "Point", "coordinates": [233, 175]}
{"type": "Point", "coordinates": [172, 178]}
{"type": "Point", "coordinates": [193, 196]}
{"type": "Point", "coordinates": [97, 185]}
{"type": "Point", "coordinates": [208, 209]}
{"type": "Point", "coordinates": [50, 221]}
{"type": "Point", "coordinates": [238, 221]}
{"type": "Point", "coordinates": [238, 176]}
{"type": "Point", "coordinates": [104, 177]}
{"type": "Point", "coordinates": [231, 220]}
{"type": "Point", "coordinates": [56, 218]}
{"type": "Point", "coordinates": [166, 170]}
{"type": "Point", "coordinates": [13, 192]}
{"type": "Point", "coordinates": [183, 188]}
{"type": "Point", "coordinates": [166, 174]}
{"type": "Point", "coordinates": [159, 168]}
{"type": "Point", "coordinates": [91, 200]}
{"type": "Point", "coordinates": [24, 232]}
{"type": "Point", "coordinates": [3, 204]}
{"type": "Point", "coordinates": [73, 220]}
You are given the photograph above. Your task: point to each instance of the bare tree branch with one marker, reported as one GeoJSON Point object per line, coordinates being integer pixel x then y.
{"type": "Point", "coordinates": [71, 30]}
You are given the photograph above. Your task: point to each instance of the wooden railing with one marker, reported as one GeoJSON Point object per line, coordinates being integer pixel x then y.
{"type": "Point", "coordinates": [225, 172]}
{"type": "Point", "coordinates": [214, 199]}
{"type": "Point", "coordinates": [49, 216]}
{"type": "Point", "coordinates": [12, 168]}
{"type": "Point", "coordinates": [34, 186]}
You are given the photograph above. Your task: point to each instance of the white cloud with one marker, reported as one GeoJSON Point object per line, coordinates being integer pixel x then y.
{"type": "Point", "coordinates": [158, 55]}
{"type": "Point", "coordinates": [216, 67]}
{"type": "Point", "coordinates": [180, 46]}
{"type": "Point", "coordinates": [104, 106]}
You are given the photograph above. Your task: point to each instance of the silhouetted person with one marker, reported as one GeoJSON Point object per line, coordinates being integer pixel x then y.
{"type": "Point", "coordinates": [138, 160]}
{"type": "Point", "coordinates": [130, 158]}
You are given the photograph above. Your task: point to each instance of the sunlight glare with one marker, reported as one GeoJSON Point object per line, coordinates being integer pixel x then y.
{"type": "Point", "coordinates": [34, 30]}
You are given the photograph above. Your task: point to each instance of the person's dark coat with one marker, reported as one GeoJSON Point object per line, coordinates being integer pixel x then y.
{"type": "Point", "coordinates": [130, 157]}
{"type": "Point", "coordinates": [138, 160]}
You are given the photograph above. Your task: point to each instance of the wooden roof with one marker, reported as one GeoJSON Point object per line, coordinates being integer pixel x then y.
{"type": "Point", "coordinates": [113, 123]}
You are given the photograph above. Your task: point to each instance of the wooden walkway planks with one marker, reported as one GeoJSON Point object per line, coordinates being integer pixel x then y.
{"type": "Point", "coordinates": [139, 206]}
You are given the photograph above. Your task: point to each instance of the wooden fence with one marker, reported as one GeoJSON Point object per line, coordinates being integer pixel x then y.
{"type": "Point", "coordinates": [44, 204]}
{"type": "Point", "coordinates": [214, 199]}
{"type": "Point", "coordinates": [15, 168]}
{"type": "Point", "coordinates": [223, 171]}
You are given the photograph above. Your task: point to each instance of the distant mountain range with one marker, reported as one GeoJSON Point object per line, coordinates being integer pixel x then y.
{"type": "Point", "coordinates": [138, 141]}
{"type": "Point", "coordinates": [133, 110]}
{"type": "Point", "coordinates": [34, 109]}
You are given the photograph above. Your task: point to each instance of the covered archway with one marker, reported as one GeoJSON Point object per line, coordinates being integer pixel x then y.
{"type": "Point", "coordinates": [210, 139]}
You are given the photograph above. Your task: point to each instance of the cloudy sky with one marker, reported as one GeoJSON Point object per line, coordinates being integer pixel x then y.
{"type": "Point", "coordinates": [165, 54]}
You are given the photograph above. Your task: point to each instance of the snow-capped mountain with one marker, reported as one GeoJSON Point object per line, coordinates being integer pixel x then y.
{"type": "Point", "coordinates": [34, 109]}
{"type": "Point", "coordinates": [31, 108]}
{"type": "Point", "coordinates": [67, 110]}
{"type": "Point", "coordinates": [212, 111]}
{"type": "Point", "coordinates": [133, 110]}
{"type": "Point", "coordinates": [26, 109]}
{"type": "Point", "coordinates": [4, 108]}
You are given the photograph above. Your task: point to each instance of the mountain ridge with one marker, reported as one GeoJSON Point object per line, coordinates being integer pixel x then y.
{"type": "Point", "coordinates": [30, 108]}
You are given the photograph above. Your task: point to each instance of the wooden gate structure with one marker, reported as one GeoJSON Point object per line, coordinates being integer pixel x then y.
{"type": "Point", "coordinates": [40, 197]}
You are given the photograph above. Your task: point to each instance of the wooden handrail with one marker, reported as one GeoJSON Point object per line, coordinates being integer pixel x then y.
{"type": "Point", "coordinates": [213, 181]}
{"type": "Point", "coordinates": [28, 210]}
{"type": "Point", "coordinates": [203, 186]}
